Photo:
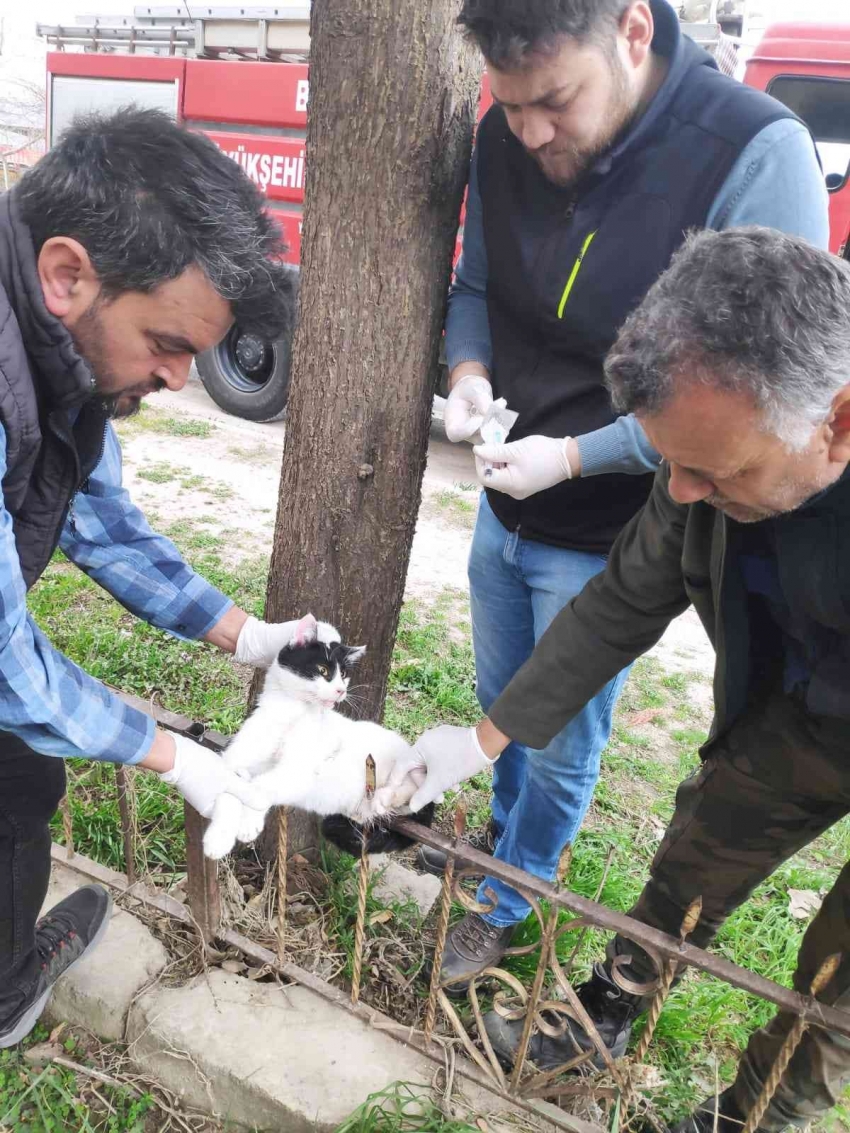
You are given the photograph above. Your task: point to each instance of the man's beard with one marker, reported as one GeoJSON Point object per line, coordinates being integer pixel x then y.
{"type": "Point", "coordinates": [572, 162]}
{"type": "Point", "coordinates": [89, 338]}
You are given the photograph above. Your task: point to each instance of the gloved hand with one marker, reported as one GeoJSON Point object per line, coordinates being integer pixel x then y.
{"type": "Point", "coordinates": [532, 464]}
{"type": "Point", "coordinates": [467, 403]}
{"type": "Point", "coordinates": [259, 642]}
{"type": "Point", "coordinates": [449, 755]}
{"type": "Point", "coordinates": [200, 776]}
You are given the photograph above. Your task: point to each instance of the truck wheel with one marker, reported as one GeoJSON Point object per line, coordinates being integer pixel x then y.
{"type": "Point", "coordinates": [246, 377]}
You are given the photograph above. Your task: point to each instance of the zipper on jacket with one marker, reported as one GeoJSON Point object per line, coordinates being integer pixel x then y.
{"type": "Point", "coordinates": [588, 240]}
{"type": "Point", "coordinates": [83, 484]}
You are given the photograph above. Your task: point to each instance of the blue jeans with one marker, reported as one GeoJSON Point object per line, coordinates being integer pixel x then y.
{"type": "Point", "coordinates": [539, 797]}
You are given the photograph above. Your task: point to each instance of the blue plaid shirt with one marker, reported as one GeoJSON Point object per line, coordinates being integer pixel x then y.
{"type": "Point", "coordinates": [47, 700]}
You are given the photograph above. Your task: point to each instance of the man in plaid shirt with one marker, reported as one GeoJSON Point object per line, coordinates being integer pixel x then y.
{"type": "Point", "coordinates": [131, 247]}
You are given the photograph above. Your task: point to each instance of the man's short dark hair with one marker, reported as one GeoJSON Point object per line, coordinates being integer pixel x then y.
{"type": "Point", "coordinates": [148, 199]}
{"type": "Point", "coordinates": [509, 31]}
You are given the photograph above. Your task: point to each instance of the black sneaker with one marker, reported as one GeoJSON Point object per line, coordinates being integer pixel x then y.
{"type": "Point", "coordinates": [611, 1009]}
{"type": "Point", "coordinates": [730, 1119]}
{"type": "Point", "coordinates": [63, 936]}
{"type": "Point", "coordinates": [434, 861]}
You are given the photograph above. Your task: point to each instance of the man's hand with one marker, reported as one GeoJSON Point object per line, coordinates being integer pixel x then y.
{"type": "Point", "coordinates": [260, 642]}
{"type": "Point", "coordinates": [448, 754]}
{"type": "Point", "coordinates": [200, 776]}
{"type": "Point", "coordinates": [467, 403]}
{"type": "Point", "coordinates": [530, 465]}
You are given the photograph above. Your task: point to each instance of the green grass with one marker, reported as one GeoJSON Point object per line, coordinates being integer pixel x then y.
{"type": "Point", "coordinates": [432, 679]}
{"type": "Point", "coordinates": [52, 1099]}
{"type": "Point", "coordinates": [151, 420]}
{"type": "Point", "coordinates": [402, 1107]}
{"type": "Point", "coordinates": [456, 507]}
{"type": "Point", "coordinates": [341, 872]}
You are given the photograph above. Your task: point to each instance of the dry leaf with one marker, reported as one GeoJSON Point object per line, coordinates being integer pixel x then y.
{"type": "Point", "coordinates": [381, 917]}
{"type": "Point", "coordinates": [481, 1124]}
{"type": "Point", "coordinates": [42, 1053]}
{"type": "Point", "coordinates": [644, 716]}
{"type": "Point", "coordinates": [803, 903]}
{"type": "Point", "coordinates": [236, 967]}
{"type": "Point", "coordinates": [56, 1032]}
{"type": "Point", "coordinates": [258, 973]}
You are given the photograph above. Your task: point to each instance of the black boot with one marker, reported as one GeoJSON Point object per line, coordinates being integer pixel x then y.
{"type": "Point", "coordinates": [729, 1116]}
{"type": "Point", "coordinates": [434, 861]}
{"type": "Point", "coordinates": [62, 938]}
{"type": "Point", "coordinates": [611, 1009]}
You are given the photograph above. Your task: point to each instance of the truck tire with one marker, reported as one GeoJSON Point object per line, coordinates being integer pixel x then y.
{"type": "Point", "coordinates": [246, 377]}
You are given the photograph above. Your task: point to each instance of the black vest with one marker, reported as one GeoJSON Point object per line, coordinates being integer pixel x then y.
{"type": "Point", "coordinates": [548, 350]}
{"type": "Point", "coordinates": [44, 386]}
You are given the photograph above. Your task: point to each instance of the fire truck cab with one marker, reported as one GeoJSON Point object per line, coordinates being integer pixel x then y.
{"type": "Point", "coordinates": [807, 66]}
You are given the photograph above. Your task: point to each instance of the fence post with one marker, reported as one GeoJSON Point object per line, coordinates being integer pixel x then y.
{"type": "Point", "coordinates": [201, 877]}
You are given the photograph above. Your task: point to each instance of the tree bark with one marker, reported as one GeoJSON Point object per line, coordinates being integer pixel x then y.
{"type": "Point", "coordinates": [393, 96]}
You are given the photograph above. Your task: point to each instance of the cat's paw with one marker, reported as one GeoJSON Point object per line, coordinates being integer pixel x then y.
{"type": "Point", "coordinates": [251, 823]}
{"type": "Point", "coordinates": [218, 841]}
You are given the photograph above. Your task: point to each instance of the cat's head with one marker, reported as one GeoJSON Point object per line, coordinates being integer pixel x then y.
{"type": "Point", "coordinates": [313, 668]}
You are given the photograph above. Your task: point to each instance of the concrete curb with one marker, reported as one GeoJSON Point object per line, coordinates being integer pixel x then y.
{"type": "Point", "coordinates": [261, 1056]}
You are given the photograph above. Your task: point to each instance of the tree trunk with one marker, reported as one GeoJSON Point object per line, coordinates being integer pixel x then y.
{"type": "Point", "coordinates": [393, 96]}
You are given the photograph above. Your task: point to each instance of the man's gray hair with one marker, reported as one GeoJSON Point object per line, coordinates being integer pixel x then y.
{"type": "Point", "coordinates": [749, 310]}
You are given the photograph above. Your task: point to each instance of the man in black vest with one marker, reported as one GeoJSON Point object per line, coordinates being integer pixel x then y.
{"type": "Point", "coordinates": [129, 248]}
{"type": "Point", "coordinates": [611, 137]}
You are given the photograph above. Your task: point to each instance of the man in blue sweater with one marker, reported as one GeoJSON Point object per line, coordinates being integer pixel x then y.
{"type": "Point", "coordinates": [611, 136]}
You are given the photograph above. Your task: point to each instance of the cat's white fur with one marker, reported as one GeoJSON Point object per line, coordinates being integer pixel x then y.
{"type": "Point", "coordinates": [302, 753]}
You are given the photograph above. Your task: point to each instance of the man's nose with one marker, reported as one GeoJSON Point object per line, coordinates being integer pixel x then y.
{"type": "Point", "coordinates": [176, 373]}
{"type": "Point", "coordinates": [536, 130]}
{"type": "Point", "coordinates": [686, 487]}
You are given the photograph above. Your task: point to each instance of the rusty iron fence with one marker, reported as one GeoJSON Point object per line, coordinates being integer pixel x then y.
{"type": "Point", "coordinates": [547, 1005]}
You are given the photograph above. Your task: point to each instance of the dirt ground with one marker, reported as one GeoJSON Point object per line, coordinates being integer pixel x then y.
{"type": "Point", "coordinates": [228, 482]}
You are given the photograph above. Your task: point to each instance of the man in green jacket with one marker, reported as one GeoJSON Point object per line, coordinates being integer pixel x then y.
{"type": "Point", "coordinates": [737, 365]}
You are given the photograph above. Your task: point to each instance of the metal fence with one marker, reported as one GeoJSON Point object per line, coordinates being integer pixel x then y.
{"type": "Point", "coordinates": [619, 1081]}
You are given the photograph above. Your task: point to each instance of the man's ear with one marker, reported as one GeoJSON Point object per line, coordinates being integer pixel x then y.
{"type": "Point", "coordinates": [839, 424]}
{"type": "Point", "coordinates": [69, 283]}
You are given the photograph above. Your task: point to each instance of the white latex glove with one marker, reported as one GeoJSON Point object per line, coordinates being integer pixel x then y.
{"type": "Point", "coordinates": [449, 755]}
{"type": "Point", "coordinates": [259, 642]}
{"type": "Point", "coordinates": [466, 405]}
{"type": "Point", "coordinates": [200, 776]}
{"type": "Point", "coordinates": [530, 465]}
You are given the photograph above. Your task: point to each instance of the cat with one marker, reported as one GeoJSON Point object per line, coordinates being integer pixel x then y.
{"type": "Point", "coordinates": [303, 753]}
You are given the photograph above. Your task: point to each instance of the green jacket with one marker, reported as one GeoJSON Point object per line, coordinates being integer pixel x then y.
{"type": "Point", "coordinates": [669, 556]}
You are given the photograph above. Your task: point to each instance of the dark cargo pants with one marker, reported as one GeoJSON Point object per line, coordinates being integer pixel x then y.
{"type": "Point", "coordinates": [774, 782]}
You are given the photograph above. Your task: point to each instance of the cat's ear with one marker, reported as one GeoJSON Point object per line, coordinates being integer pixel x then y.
{"type": "Point", "coordinates": [353, 653]}
{"type": "Point", "coordinates": [305, 631]}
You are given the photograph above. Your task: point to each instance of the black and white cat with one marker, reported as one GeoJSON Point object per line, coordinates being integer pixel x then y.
{"type": "Point", "coordinates": [301, 752]}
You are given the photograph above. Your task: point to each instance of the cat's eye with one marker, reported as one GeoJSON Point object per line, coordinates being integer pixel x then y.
{"type": "Point", "coordinates": [323, 670]}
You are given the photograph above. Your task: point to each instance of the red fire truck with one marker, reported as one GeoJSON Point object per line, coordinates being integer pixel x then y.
{"type": "Point", "coordinates": [240, 76]}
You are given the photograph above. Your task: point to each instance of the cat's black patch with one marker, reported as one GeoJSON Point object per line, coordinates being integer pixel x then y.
{"type": "Point", "coordinates": [349, 835]}
{"type": "Point", "coordinates": [309, 660]}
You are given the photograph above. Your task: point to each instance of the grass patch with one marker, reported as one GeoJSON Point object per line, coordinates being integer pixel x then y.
{"type": "Point", "coordinates": [455, 508]}
{"type": "Point", "coordinates": [432, 679]}
{"type": "Point", "coordinates": [403, 1107]}
{"type": "Point", "coordinates": [52, 1099]}
{"type": "Point", "coordinates": [150, 420]}
{"type": "Point", "coordinates": [161, 472]}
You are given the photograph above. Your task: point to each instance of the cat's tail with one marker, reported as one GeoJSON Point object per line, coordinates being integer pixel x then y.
{"type": "Point", "coordinates": [348, 835]}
